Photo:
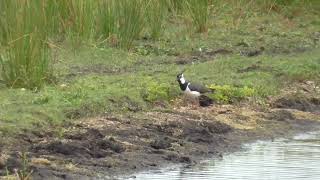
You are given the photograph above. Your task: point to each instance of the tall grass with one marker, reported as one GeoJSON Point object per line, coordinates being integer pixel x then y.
{"type": "Point", "coordinates": [176, 6]}
{"type": "Point", "coordinates": [80, 21]}
{"type": "Point", "coordinates": [241, 10]}
{"type": "Point", "coordinates": [26, 26]}
{"type": "Point", "coordinates": [52, 18]}
{"type": "Point", "coordinates": [130, 21]}
{"type": "Point", "coordinates": [268, 6]}
{"type": "Point", "coordinates": [25, 58]}
{"type": "Point", "coordinates": [199, 11]}
{"type": "Point", "coordinates": [122, 21]}
{"type": "Point", "coordinates": [106, 19]}
{"type": "Point", "coordinates": [156, 13]}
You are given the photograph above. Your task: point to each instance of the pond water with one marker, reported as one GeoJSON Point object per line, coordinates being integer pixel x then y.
{"type": "Point", "coordinates": [294, 158]}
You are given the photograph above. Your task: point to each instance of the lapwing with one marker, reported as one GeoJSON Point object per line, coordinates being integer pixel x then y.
{"type": "Point", "coordinates": [195, 91]}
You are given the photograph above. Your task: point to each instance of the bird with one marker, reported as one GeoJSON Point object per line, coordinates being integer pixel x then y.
{"type": "Point", "coordinates": [195, 91]}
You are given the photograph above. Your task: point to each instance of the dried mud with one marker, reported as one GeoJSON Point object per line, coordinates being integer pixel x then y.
{"type": "Point", "coordinates": [113, 145]}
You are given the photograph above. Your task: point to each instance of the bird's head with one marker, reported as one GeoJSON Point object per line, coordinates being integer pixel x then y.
{"type": "Point", "coordinates": [180, 78]}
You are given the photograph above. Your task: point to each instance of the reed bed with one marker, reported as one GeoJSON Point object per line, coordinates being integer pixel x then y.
{"type": "Point", "coordinates": [27, 27]}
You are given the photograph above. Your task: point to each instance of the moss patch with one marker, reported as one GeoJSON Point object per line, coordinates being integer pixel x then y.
{"type": "Point", "coordinates": [230, 94]}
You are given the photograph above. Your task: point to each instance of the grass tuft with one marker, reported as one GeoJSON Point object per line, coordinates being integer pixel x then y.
{"type": "Point", "coordinates": [106, 19]}
{"type": "Point", "coordinates": [157, 92]}
{"type": "Point", "coordinates": [26, 56]}
{"type": "Point", "coordinates": [130, 21]}
{"type": "Point", "coordinates": [199, 12]}
{"type": "Point", "coordinates": [156, 13]}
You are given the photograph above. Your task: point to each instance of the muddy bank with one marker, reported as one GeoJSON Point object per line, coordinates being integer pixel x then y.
{"type": "Point", "coordinates": [111, 145]}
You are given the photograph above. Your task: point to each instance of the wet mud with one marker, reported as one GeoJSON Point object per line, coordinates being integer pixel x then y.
{"type": "Point", "coordinates": [110, 146]}
{"type": "Point", "coordinates": [115, 145]}
{"type": "Point", "coordinates": [310, 104]}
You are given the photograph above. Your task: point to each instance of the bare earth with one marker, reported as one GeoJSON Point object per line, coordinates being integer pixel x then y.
{"type": "Point", "coordinates": [114, 145]}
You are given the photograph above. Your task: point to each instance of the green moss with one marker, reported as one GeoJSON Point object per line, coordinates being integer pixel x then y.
{"type": "Point", "coordinates": [155, 91]}
{"type": "Point", "coordinates": [230, 94]}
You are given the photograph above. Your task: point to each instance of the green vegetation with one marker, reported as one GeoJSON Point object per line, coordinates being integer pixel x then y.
{"type": "Point", "coordinates": [25, 172]}
{"type": "Point", "coordinates": [229, 94]}
{"type": "Point", "coordinates": [108, 56]}
{"type": "Point", "coordinates": [199, 11]}
{"type": "Point", "coordinates": [156, 15]}
{"type": "Point", "coordinates": [25, 60]}
{"type": "Point", "coordinates": [155, 91]}
{"type": "Point", "coordinates": [130, 21]}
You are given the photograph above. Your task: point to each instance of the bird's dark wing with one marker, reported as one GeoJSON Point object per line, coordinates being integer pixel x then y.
{"type": "Point", "coordinates": [198, 87]}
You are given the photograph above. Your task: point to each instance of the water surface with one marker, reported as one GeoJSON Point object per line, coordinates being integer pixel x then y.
{"type": "Point", "coordinates": [294, 158]}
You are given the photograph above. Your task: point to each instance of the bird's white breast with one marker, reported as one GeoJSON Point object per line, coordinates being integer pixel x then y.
{"type": "Point", "coordinates": [191, 93]}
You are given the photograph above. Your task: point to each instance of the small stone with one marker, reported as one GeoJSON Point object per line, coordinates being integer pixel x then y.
{"type": "Point", "coordinates": [2, 162]}
{"type": "Point", "coordinates": [40, 161]}
{"type": "Point", "coordinates": [223, 111]}
{"type": "Point", "coordinates": [63, 85]}
{"type": "Point", "coordinates": [185, 159]}
{"type": "Point", "coordinates": [160, 144]}
{"type": "Point", "coordinates": [309, 82]}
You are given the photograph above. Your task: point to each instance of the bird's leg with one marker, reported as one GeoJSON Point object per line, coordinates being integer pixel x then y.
{"type": "Point", "coordinates": [198, 101]}
{"type": "Point", "coordinates": [191, 102]}
{"type": "Point", "coordinates": [185, 99]}
{"type": "Point", "coordinates": [188, 101]}
{"type": "Point", "coordinates": [195, 102]}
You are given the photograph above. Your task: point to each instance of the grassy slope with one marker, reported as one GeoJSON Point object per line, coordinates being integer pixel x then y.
{"type": "Point", "coordinates": [93, 80]}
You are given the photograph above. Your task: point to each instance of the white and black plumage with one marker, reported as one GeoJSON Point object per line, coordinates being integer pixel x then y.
{"type": "Point", "coordinates": [195, 90]}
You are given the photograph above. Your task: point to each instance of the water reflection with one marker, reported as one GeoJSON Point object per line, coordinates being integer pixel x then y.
{"type": "Point", "coordinates": [295, 158]}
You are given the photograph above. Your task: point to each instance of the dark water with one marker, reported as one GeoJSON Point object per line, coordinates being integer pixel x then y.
{"type": "Point", "coordinates": [294, 158]}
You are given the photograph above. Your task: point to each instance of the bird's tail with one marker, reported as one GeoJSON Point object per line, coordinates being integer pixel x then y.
{"type": "Point", "coordinates": [205, 101]}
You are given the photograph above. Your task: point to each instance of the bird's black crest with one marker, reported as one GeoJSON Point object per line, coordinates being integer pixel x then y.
{"type": "Point", "coordinates": [180, 74]}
